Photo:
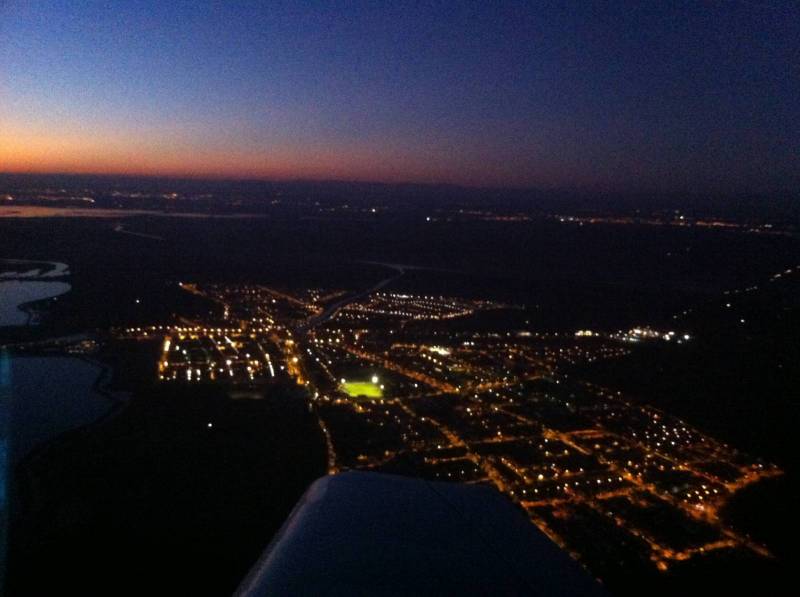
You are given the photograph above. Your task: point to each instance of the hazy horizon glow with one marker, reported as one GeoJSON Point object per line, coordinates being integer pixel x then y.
{"type": "Point", "coordinates": [681, 97]}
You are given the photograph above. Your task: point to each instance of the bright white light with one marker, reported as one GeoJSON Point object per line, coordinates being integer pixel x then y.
{"type": "Point", "coordinates": [374, 379]}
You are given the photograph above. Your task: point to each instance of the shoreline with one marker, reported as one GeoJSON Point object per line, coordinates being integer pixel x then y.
{"type": "Point", "coordinates": [24, 486]}
{"type": "Point", "coordinates": [28, 308]}
{"type": "Point", "coordinates": [99, 386]}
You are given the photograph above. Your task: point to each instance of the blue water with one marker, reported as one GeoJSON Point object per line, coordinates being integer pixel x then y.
{"type": "Point", "coordinates": [48, 396]}
{"type": "Point", "coordinates": [14, 293]}
{"type": "Point", "coordinates": [23, 281]}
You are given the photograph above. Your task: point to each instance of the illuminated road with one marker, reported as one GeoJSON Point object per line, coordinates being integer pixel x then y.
{"type": "Point", "coordinates": [333, 309]}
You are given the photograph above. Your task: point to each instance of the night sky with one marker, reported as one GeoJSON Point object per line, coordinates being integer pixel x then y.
{"type": "Point", "coordinates": [673, 96]}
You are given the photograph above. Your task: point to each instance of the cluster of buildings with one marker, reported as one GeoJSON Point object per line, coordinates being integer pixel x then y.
{"type": "Point", "coordinates": [398, 388]}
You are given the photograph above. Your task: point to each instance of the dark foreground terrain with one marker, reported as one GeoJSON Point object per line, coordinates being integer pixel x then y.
{"type": "Point", "coordinates": [156, 501]}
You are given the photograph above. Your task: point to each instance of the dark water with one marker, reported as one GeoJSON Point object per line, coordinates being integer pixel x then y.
{"type": "Point", "coordinates": [51, 395]}
{"type": "Point", "coordinates": [14, 293]}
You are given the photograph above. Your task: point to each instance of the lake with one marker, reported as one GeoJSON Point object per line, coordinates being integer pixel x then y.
{"type": "Point", "coordinates": [23, 282]}
{"type": "Point", "coordinates": [51, 395]}
{"type": "Point", "coordinates": [15, 293]}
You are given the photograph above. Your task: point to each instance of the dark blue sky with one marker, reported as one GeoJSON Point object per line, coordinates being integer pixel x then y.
{"type": "Point", "coordinates": [670, 96]}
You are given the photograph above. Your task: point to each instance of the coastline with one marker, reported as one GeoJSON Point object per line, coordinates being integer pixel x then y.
{"type": "Point", "coordinates": [100, 387]}
{"type": "Point", "coordinates": [29, 308]}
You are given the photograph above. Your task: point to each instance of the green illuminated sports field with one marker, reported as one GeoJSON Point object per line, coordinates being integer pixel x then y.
{"type": "Point", "coordinates": [356, 389]}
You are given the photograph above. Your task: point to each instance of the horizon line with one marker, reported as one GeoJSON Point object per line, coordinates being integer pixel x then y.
{"type": "Point", "coordinates": [596, 189]}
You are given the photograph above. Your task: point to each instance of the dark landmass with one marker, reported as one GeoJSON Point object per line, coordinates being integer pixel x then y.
{"type": "Point", "coordinates": [571, 276]}
{"type": "Point", "coordinates": [737, 381]}
{"type": "Point", "coordinates": [152, 493]}
{"type": "Point", "coordinates": [767, 511]}
{"type": "Point", "coordinates": [295, 197]}
{"type": "Point", "coordinates": [154, 500]}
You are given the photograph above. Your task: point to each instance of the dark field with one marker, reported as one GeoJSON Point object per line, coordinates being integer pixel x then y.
{"type": "Point", "coordinates": [571, 275]}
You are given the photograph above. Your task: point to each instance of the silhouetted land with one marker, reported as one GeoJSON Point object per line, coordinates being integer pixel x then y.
{"type": "Point", "coordinates": [154, 500]}
{"type": "Point", "coordinates": [153, 495]}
